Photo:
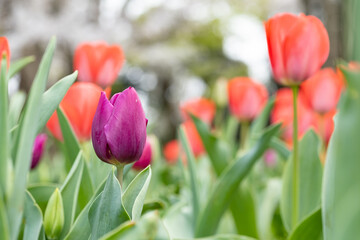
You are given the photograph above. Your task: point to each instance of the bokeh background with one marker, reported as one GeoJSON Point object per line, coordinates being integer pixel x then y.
{"type": "Point", "coordinates": [175, 49]}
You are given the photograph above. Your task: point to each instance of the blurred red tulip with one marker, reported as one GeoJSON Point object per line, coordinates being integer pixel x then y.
{"type": "Point", "coordinates": [202, 108]}
{"type": "Point", "coordinates": [298, 46]}
{"type": "Point", "coordinates": [246, 98]}
{"type": "Point", "coordinates": [194, 138]}
{"type": "Point", "coordinates": [4, 49]}
{"type": "Point", "coordinates": [98, 63]}
{"type": "Point", "coordinates": [322, 91]}
{"type": "Point", "coordinates": [145, 158]}
{"type": "Point", "coordinates": [79, 105]}
{"type": "Point", "coordinates": [283, 112]}
{"type": "Point", "coordinates": [171, 151]}
{"type": "Point", "coordinates": [325, 125]}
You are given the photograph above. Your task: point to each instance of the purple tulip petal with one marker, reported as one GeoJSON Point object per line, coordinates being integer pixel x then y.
{"type": "Point", "coordinates": [38, 149]}
{"type": "Point", "coordinates": [126, 129]}
{"type": "Point", "coordinates": [102, 115]}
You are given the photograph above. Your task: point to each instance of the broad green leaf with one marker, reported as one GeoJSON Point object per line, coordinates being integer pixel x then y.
{"type": "Point", "coordinates": [107, 211]}
{"type": "Point", "coordinates": [192, 172]}
{"type": "Point", "coordinates": [51, 99]}
{"type": "Point", "coordinates": [281, 148]}
{"type": "Point", "coordinates": [26, 140]}
{"type": "Point", "coordinates": [309, 228]}
{"type": "Point", "coordinates": [341, 191]}
{"type": "Point", "coordinates": [15, 67]}
{"type": "Point", "coordinates": [41, 193]}
{"type": "Point", "coordinates": [33, 218]}
{"type": "Point", "coordinates": [4, 125]}
{"type": "Point", "coordinates": [220, 156]}
{"type": "Point", "coordinates": [81, 228]}
{"type": "Point", "coordinates": [309, 180]}
{"type": "Point", "coordinates": [4, 224]}
{"type": "Point", "coordinates": [258, 125]}
{"type": "Point", "coordinates": [71, 144]}
{"type": "Point", "coordinates": [178, 220]}
{"type": "Point", "coordinates": [220, 237]}
{"type": "Point", "coordinates": [228, 183]}
{"type": "Point", "coordinates": [134, 195]}
{"type": "Point", "coordinates": [147, 227]}
{"type": "Point", "coordinates": [86, 190]}
{"type": "Point", "coordinates": [70, 193]}
{"type": "Point", "coordinates": [16, 105]}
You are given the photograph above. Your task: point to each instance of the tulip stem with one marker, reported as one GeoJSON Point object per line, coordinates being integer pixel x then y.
{"type": "Point", "coordinates": [243, 134]}
{"type": "Point", "coordinates": [295, 187]}
{"type": "Point", "coordinates": [120, 174]}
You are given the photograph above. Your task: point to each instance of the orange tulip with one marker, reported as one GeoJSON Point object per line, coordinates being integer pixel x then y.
{"type": "Point", "coordinates": [98, 63]}
{"type": "Point", "coordinates": [283, 112]}
{"type": "Point", "coordinates": [325, 125]}
{"type": "Point", "coordinates": [202, 108]}
{"type": "Point", "coordinates": [79, 105]}
{"type": "Point", "coordinates": [322, 91]}
{"type": "Point", "coordinates": [4, 49]}
{"type": "Point", "coordinates": [298, 46]}
{"type": "Point", "coordinates": [246, 98]}
{"type": "Point", "coordinates": [171, 151]}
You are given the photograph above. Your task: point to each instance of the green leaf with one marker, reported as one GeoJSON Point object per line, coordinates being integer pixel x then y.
{"type": "Point", "coordinates": [228, 183]}
{"type": "Point", "coordinates": [220, 237]}
{"type": "Point", "coordinates": [41, 193]}
{"type": "Point", "coordinates": [191, 164]}
{"type": "Point", "coordinates": [81, 228]}
{"type": "Point", "coordinates": [51, 99]}
{"type": "Point", "coordinates": [26, 140]}
{"type": "Point", "coordinates": [71, 144]}
{"type": "Point", "coordinates": [309, 228]}
{"type": "Point", "coordinates": [341, 191]}
{"type": "Point", "coordinates": [281, 148]}
{"type": "Point", "coordinates": [4, 125]}
{"type": "Point", "coordinates": [15, 67]}
{"type": "Point", "coordinates": [258, 125]}
{"type": "Point", "coordinates": [134, 195]}
{"type": "Point", "coordinates": [107, 211]}
{"type": "Point", "coordinates": [4, 224]}
{"type": "Point", "coordinates": [33, 218]}
{"type": "Point", "coordinates": [70, 193]}
{"type": "Point", "coordinates": [220, 155]}
{"type": "Point", "coordinates": [310, 175]}
{"type": "Point", "coordinates": [153, 205]}
{"type": "Point", "coordinates": [16, 104]}
{"type": "Point", "coordinates": [148, 227]}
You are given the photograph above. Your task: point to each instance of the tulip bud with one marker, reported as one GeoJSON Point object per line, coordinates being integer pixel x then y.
{"type": "Point", "coordinates": [98, 63]}
{"type": "Point", "coordinates": [145, 158]}
{"type": "Point", "coordinates": [119, 128]}
{"type": "Point", "coordinates": [4, 49]}
{"type": "Point", "coordinates": [54, 216]}
{"type": "Point", "coordinates": [246, 98]}
{"type": "Point", "coordinates": [38, 149]}
{"type": "Point", "coordinates": [298, 47]}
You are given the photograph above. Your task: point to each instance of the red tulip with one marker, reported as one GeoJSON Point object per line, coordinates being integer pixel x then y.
{"type": "Point", "coordinates": [323, 90]}
{"type": "Point", "coordinates": [145, 158]}
{"type": "Point", "coordinates": [298, 47]}
{"type": "Point", "coordinates": [171, 151]}
{"type": "Point", "coordinates": [98, 63]}
{"type": "Point", "coordinates": [4, 49]}
{"type": "Point", "coordinates": [194, 138]}
{"type": "Point", "coordinates": [283, 112]}
{"type": "Point", "coordinates": [325, 125]}
{"type": "Point", "coordinates": [202, 108]}
{"type": "Point", "coordinates": [79, 105]}
{"type": "Point", "coordinates": [246, 98]}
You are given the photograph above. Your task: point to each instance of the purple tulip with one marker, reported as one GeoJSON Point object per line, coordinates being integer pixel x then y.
{"type": "Point", "coordinates": [38, 149]}
{"type": "Point", "coordinates": [119, 128]}
{"type": "Point", "coordinates": [145, 158]}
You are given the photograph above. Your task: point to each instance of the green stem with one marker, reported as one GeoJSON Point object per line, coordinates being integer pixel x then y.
{"type": "Point", "coordinates": [244, 128]}
{"type": "Point", "coordinates": [120, 174]}
{"type": "Point", "coordinates": [295, 208]}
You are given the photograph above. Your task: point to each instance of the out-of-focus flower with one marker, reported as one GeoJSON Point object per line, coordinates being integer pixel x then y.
{"type": "Point", "coordinates": [4, 49]}
{"type": "Point", "coordinates": [201, 107]}
{"type": "Point", "coordinates": [194, 138]}
{"type": "Point", "coordinates": [119, 128]}
{"type": "Point", "coordinates": [38, 149]}
{"type": "Point", "coordinates": [270, 158]}
{"type": "Point", "coordinates": [322, 91]}
{"type": "Point", "coordinates": [283, 112]}
{"type": "Point", "coordinates": [145, 158]}
{"type": "Point", "coordinates": [98, 63]}
{"type": "Point", "coordinates": [79, 106]}
{"type": "Point", "coordinates": [171, 151]}
{"type": "Point", "coordinates": [325, 125]}
{"type": "Point", "coordinates": [298, 46]}
{"type": "Point", "coordinates": [246, 98]}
